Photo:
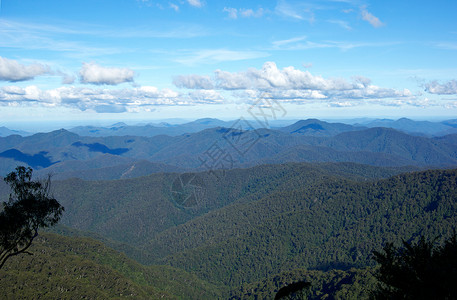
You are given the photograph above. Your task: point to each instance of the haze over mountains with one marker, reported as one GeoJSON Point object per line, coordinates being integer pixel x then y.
{"type": "Point", "coordinates": [327, 128]}
{"type": "Point", "coordinates": [127, 151]}
{"type": "Point", "coordinates": [174, 128]}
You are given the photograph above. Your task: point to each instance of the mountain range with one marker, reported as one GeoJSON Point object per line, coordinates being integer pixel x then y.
{"type": "Point", "coordinates": [67, 154]}
{"type": "Point", "coordinates": [230, 210]}
{"type": "Point", "coordinates": [309, 126]}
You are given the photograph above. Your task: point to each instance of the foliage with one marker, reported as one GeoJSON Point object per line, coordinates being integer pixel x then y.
{"type": "Point", "coordinates": [70, 268]}
{"type": "Point", "coordinates": [134, 211]}
{"type": "Point", "coordinates": [29, 208]}
{"type": "Point", "coordinates": [320, 220]}
{"type": "Point", "coordinates": [331, 224]}
{"type": "Point", "coordinates": [418, 270]}
{"type": "Point", "coordinates": [333, 284]}
{"type": "Point", "coordinates": [296, 290]}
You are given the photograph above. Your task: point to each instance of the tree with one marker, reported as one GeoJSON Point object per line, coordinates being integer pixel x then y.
{"type": "Point", "coordinates": [418, 271]}
{"type": "Point", "coordinates": [29, 208]}
{"type": "Point", "coordinates": [297, 290]}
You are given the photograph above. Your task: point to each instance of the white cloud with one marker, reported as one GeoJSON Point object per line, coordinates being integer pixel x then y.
{"type": "Point", "coordinates": [174, 6]}
{"type": "Point", "coordinates": [232, 12]}
{"type": "Point", "coordinates": [270, 77]}
{"type": "Point", "coordinates": [285, 9]}
{"type": "Point", "coordinates": [289, 41]}
{"type": "Point", "coordinates": [373, 92]}
{"type": "Point", "coordinates": [13, 90]}
{"type": "Point", "coordinates": [341, 23]}
{"type": "Point", "coordinates": [11, 70]}
{"type": "Point", "coordinates": [290, 85]}
{"type": "Point", "coordinates": [251, 13]}
{"type": "Point", "coordinates": [193, 82]}
{"type": "Point", "coordinates": [296, 10]}
{"type": "Point", "coordinates": [300, 43]}
{"type": "Point", "coordinates": [341, 104]}
{"type": "Point", "coordinates": [96, 74]}
{"type": "Point", "coordinates": [206, 96]}
{"type": "Point", "coordinates": [68, 79]}
{"type": "Point", "coordinates": [364, 81]}
{"type": "Point", "coordinates": [448, 88]}
{"type": "Point", "coordinates": [366, 16]}
{"type": "Point", "coordinates": [104, 100]}
{"type": "Point", "coordinates": [196, 3]}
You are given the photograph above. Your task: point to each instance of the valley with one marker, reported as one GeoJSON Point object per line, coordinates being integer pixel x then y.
{"type": "Point", "coordinates": [308, 203]}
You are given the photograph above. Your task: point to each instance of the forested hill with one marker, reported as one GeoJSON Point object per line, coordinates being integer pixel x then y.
{"type": "Point", "coordinates": [331, 224]}
{"type": "Point", "coordinates": [81, 268]}
{"type": "Point", "coordinates": [248, 225]}
{"type": "Point", "coordinates": [135, 210]}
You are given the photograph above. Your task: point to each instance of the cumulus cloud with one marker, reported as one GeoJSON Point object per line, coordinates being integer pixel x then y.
{"type": "Point", "coordinates": [105, 100]}
{"type": "Point", "coordinates": [366, 16]}
{"type": "Point", "coordinates": [448, 88]}
{"type": "Point", "coordinates": [68, 79]}
{"type": "Point", "coordinates": [268, 77]}
{"type": "Point", "coordinates": [11, 70]}
{"type": "Point", "coordinates": [289, 84]}
{"type": "Point", "coordinates": [13, 90]}
{"type": "Point", "coordinates": [206, 96]}
{"type": "Point", "coordinates": [193, 82]}
{"type": "Point", "coordinates": [96, 74]}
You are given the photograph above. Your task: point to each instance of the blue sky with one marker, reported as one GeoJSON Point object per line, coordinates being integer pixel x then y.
{"type": "Point", "coordinates": [147, 60]}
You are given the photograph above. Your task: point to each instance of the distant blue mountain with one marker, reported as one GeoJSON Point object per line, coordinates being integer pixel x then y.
{"type": "Point", "coordinates": [150, 130]}
{"type": "Point", "coordinates": [304, 141]}
{"type": "Point", "coordinates": [314, 127]}
{"type": "Point", "coordinates": [7, 132]}
{"type": "Point", "coordinates": [416, 127]}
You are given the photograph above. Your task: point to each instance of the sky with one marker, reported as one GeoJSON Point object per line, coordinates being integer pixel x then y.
{"type": "Point", "coordinates": [144, 60]}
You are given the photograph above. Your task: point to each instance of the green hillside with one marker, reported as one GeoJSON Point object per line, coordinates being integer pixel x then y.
{"type": "Point", "coordinates": [72, 268]}
{"type": "Point", "coordinates": [332, 224]}
{"type": "Point", "coordinates": [136, 210]}
{"type": "Point", "coordinates": [334, 284]}
{"type": "Point", "coordinates": [246, 228]}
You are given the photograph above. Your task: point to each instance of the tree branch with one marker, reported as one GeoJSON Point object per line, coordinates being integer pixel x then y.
{"type": "Point", "coordinates": [23, 250]}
